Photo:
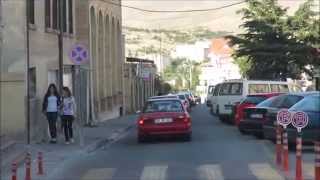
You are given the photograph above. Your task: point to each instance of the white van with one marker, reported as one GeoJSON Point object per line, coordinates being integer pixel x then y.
{"type": "Point", "coordinates": [226, 94]}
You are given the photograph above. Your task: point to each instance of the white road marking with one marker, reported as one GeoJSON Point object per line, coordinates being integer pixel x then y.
{"type": "Point", "coordinates": [264, 171]}
{"type": "Point", "coordinates": [154, 173]}
{"type": "Point", "coordinates": [308, 169]}
{"type": "Point", "coordinates": [102, 173]}
{"type": "Point", "coordinates": [210, 172]}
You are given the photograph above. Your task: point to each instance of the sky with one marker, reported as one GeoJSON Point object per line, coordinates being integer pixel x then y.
{"type": "Point", "coordinates": [221, 20]}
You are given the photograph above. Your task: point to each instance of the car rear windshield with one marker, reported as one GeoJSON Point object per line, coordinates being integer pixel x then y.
{"type": "Point", "coordinates": [267, 102]}
{"type": "Point", "coordinates": [182, 97]}
{"type": "Point", "coordinates": [286, 101]}
{"type": "Point", "coordinates": [254, 99]}
{"type": "Point", "coordinates": [163, 106]}
{"type": "Point", "coordinates": [310, 103]}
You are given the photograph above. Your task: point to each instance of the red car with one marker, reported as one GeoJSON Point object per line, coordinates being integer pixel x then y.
{"type": "Point", "coordinates": [164, 117]}
{"type": "Point", "coordinates": [250, 101]}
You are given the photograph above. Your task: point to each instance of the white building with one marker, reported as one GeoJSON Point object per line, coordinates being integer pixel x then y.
{"type": "Point", "coordinates": [196, 52]}
{"type": "Point", "coordinates": [221, 65]}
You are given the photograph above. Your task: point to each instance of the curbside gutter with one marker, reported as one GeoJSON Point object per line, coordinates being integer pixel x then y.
{"type": "Point", "coordinates": [102, 142]}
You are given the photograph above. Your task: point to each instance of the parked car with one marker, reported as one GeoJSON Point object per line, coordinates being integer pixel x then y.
{"type": "Point", "coordinates": [164, 117]}
{"type": "Point", "coordinates": [197, 99]}
{"type": "Point", "coordinates": [184, 99]}
{"type": "Point", "coordinates": [164, 97]}
{"type": "Point", "coordinates": [283, 102]}
{"type": "Point", "coordinates": [249, 101]}
{"type": "Point", "coordinates": [253, 117]}
{"type": "Point", "coordinates": [311, 106]}
{"type": "Point", "coordinates": [226, 94]}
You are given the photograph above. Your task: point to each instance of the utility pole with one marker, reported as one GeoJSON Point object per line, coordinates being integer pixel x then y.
{"type": "Point", "coordinates": [60, 44]}
{"type": "Point", "coordinates": [27, 72]}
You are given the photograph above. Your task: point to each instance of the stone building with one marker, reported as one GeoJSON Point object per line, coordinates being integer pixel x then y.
{"type": "Point", "coordinates": [97, 84]}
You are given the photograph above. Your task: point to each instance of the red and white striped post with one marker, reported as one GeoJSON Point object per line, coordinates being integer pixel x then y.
{"type": "Point", "coordinates": [285, 160]}
{"type": "Point", "coordinates": [278, 146]}
{"type": "Point", "coordinates": [28, 166]}
{"type": "Point", "coordinates": [317, 160]}
{"type": "Point", "coordinates": [40, 163]}
{"type": "Point", "coordinates": [14, 171]}
{"type": "Point", "coordinates": [299, 175]}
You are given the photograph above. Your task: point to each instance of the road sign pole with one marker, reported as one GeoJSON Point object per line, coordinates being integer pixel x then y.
{"type": "Point", "coordinates": [279, 146]}
{"type": "Point", "coordinates": [285, 160]}
{"type": "Point", "coordinates": [60, 44]}
{"type": "Point", "coordinates": [299, 175]}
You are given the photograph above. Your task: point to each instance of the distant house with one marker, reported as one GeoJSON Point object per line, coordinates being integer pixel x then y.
{"type": "Point", "coordinates": [220, 66]}
{"type": "Point", "coordinates": [196, 52]}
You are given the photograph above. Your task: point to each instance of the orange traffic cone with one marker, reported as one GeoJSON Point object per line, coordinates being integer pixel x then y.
{"type": "Point", "coordinates": [278, 147]}
{"type": "Point", "coordinates": [285, 160]}
{"type": "Point", "coordinates": [28, 166]}
{"type": "Point", "coordinates": [299, 175]}
{"type": "Point", "coordinates": [317, 161]}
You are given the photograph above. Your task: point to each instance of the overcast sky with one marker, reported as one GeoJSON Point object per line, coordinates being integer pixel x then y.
{"type": "Point", "coordinates": [220, 20]}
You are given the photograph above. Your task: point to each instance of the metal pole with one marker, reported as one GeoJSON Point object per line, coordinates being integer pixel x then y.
{"type": "Point", "coordinates": [27, 72]}
{"type": "Point", "coordinates": [60, 44]}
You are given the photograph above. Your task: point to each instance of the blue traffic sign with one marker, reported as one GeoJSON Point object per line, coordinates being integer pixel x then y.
{"type": "Point", "coordinates": [79, 54]}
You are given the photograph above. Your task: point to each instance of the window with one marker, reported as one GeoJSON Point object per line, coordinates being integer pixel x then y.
{"type": "Point", "coordinates": [31, 11]}
{"type": "Point", "coordinates": [64, 16]}
{"type": "Point", "coordinates": [283, 88]}
{"type": "Point", "coordinates": [254, 99]}
{"type": "Point", "coordinates": [70, 11]}
{"type": "Point", "coordinates": [32, 82]}
{"type": "Point", "coordinates": [47, 14]}
{"type": "Point", "coordinates": [163, 106]}
{"type": "Point", "coordinates": [236, 89]}
{"type": "Point", "coordinates": [52, 15]}
{"type": "Point", "coordinates": [258, 88]}
{"type": "Point", "coordinates": [225, 89]}
{"type": "Point", "coordinates": [290, 101]}
{"type": "Point", "coordinates": [310, 103]}
{"type": "Point", "coordinates": [216, 90]}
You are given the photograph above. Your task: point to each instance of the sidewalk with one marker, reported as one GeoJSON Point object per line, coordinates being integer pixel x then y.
{"type": "Point", "coordinates": [88, 139]}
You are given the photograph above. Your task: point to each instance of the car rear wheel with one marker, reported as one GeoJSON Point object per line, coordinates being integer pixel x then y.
{"type": "Point", "coordinates": [259, 135]}
{"type": "Point", "coordinates": [187, 137]}
{"type": "Point", "coordinates": [141, 139]}
{"type": "Point", "coordinates": [242, 131]}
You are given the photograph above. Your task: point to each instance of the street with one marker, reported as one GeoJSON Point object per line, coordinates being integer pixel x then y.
{"type": "Point", "coordinates": [217, 151]}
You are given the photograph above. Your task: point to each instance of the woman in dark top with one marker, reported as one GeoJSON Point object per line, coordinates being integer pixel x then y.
{"type": "Point", "coordinates": [50, 107]}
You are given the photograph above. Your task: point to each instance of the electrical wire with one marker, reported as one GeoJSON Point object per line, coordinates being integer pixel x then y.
{"type": "Point", "coordinates": [175, 11]}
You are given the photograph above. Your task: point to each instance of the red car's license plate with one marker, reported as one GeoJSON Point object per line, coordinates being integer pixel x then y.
{"type": "Point", "coordinates": [163, 120]}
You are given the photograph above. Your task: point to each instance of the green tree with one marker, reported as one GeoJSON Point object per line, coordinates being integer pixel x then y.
{"type": "Point", "coordinates": [184, 72]}
{"type": "Point", "coordinates": [268, 49]}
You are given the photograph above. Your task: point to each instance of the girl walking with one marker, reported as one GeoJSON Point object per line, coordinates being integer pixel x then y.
{"type": "Point", "coordinates": [68, 114]}
{"type": "Point", "coordinates": [50, 107]}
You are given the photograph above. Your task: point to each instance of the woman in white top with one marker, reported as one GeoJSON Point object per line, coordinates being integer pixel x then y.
{"type": "Point", "coordinates": [50, 108]}
{"type": "Point", "coordinates": [68, 114]}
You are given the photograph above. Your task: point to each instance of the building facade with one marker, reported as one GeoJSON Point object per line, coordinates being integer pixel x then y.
{"type": "Point", "coordinates": [96, 84]}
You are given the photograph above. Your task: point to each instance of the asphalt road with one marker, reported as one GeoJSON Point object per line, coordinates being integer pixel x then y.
{"type": "Point", "coordinates": [216, 152]}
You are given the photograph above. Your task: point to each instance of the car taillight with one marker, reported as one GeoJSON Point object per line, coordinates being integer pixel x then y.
{"type": "Point", "coordinates": [141, 121]}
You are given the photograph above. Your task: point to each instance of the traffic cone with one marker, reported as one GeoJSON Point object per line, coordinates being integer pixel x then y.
{"type": "Point", "coordinates": [278, 147]}
{"type": "Point", "coordinates": [299, 175]}
{"type": "Point", "coordinates": [14, 171]}
{"type": "Point", "coordinates": [28, 166]}
{"type": "Point", "coordinates": [317, 161]}
{"type": "Point", "coordinates": [285, 160]}
{"type": "Point", "coordinates": [40, 163]}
